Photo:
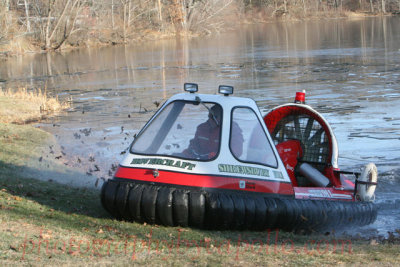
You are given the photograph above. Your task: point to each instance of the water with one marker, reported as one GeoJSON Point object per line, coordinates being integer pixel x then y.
{"type": "Point", "coordinates": [349, 68]}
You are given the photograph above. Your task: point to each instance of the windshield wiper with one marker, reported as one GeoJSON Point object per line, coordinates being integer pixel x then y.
{"type": "Point", "coordinates": [209, 110]}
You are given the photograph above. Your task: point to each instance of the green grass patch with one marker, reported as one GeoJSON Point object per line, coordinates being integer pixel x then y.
{"type": "Point", "coordinates": [20, 143]}
{"type": "Point", "coordinates": [17, 110]}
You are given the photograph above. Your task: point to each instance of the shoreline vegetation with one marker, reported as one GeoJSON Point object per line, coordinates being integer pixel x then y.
{"type": "Point", "coordinates": [21, 106]}
{"type": "Point", "coordinates": [41, 26]}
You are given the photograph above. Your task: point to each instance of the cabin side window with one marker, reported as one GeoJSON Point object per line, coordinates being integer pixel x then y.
{"type": "Point", "coordinates": [248, 141]}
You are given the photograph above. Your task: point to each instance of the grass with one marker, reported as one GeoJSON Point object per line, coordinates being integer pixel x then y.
{"type": "Point", "coordinates": [43, 222]}
{"type": "Point", "coordinates": [19, 142]}
{"type": "Point", "coordinates": [21, 106]}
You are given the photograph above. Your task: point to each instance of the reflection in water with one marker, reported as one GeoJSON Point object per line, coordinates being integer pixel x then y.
{"type": "Point", "coordinates": [267, 49]}
{"type": "Point", "coordinates": [349, 68]}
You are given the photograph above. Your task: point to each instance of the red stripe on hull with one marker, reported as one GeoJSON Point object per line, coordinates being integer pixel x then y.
{"type": "Point", "coordinates": [205, 181]}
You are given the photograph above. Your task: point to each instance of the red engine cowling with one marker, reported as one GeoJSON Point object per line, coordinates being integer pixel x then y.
{"type": "Point", "coordinates": [290, 151]}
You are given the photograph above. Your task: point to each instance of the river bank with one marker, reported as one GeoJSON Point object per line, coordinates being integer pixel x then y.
{"type": "Point", "coordinates": [23, 43]}
{"type": "Point", "coordinates": [26, 149]}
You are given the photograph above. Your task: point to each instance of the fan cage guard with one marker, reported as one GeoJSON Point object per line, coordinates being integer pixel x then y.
{"type": "Point", "coordinates": [310, 133]}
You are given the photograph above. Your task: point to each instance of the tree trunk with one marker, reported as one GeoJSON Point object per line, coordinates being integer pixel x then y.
{"type": "Point", "coordinates": [8, 15]}
{"type": "Point", "coordinates": [69, 11]}
{"type": "Point", "coordinates": [58, 23]}
{"type": "Point", "coordinates": [129, 14]}
{"type": "Point", "coordinates": [76, 5]}
{"type": "Point", "coordinates": [124, 21]}
{"type": "Point", "coordinates": [28, 22]}
{"type": "Point", "coordinates": [178, 18]}
{"type": "Point", "coordinates": [160, 12]}
{"type": "Point", "coordinates": [383, 6]}
{"type": "Point", "coordinates": [47, 31]}
{"type": "Point", "coordinates": [112, 14]}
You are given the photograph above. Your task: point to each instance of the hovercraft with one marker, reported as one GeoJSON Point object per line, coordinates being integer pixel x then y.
{"type": "Point", "coordinates": [214, 162]}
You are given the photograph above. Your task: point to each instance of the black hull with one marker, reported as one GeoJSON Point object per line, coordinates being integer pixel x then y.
{"type": "Point", "coordinates": [224, 210]}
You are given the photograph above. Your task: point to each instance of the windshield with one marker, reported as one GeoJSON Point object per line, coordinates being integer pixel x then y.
{"type": "Point", "coordinates": [190, 130]}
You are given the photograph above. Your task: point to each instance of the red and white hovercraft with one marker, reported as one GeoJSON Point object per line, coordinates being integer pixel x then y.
{"type": "Point", "coordinates": [214, 162]}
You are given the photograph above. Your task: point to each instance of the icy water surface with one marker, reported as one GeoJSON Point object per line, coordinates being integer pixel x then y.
{"type": "Point", "coordinates": [349, 68]}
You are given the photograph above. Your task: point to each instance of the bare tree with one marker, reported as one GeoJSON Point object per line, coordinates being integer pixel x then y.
{"type": "Point", "coordinates": [61, 19]}
{"type": "Point", "coordinates": [112, 14]}
{"type": "Point", "coordinates": [371, 5]}
{"type": "Point", "coordinates": [125, 4]}
{"type": "Point", "coordinates": [28, 22]}
{"type": "Point", "coordinates": [55, 23]}
{"type": "Point", "coordinates": [176, 13]}
{"type": "Point", "coordinates": [200, 15]}
{"type": "Point", "coordinates": [160, 17]}
{"type": "Point", "coordinates": [6, 22]}
{"type": "Point", "coordinates": [3, 23]}
{"type": "Point", "coordinates": [383, 6]}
